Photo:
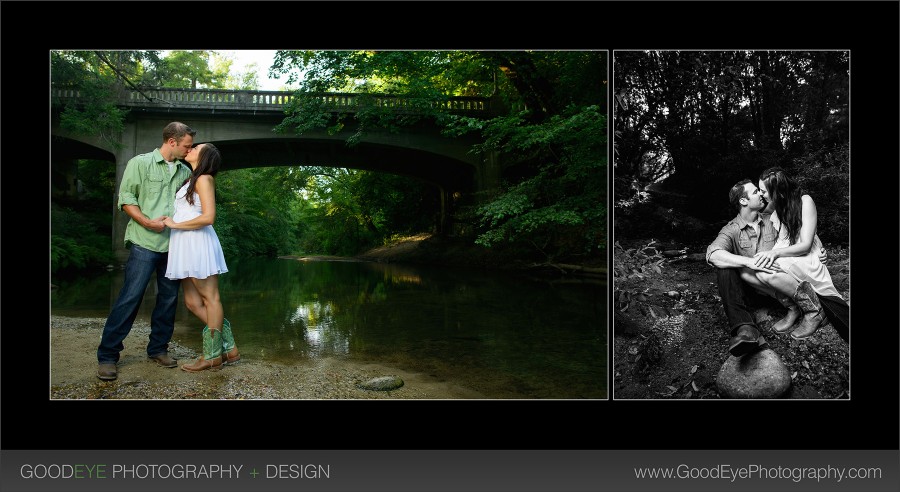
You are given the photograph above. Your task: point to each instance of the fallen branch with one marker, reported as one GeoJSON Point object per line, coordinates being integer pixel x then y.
{"type": "Point", "coordinates": [580, 268]}
{"type": "Point", "coordinates": [565, 268]}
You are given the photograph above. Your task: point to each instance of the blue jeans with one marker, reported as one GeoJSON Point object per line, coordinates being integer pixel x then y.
{"type": "Point", "coordinates": [138, 269]}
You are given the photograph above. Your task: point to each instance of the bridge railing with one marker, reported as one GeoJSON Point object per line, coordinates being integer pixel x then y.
{"type": "Point", "coordinates": [277, 100]}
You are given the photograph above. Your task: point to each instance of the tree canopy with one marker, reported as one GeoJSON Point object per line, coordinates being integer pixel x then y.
{"type": "Point", "coordinates": [692, 123]}
{"type": "Point", "coordinates": [550, 131]}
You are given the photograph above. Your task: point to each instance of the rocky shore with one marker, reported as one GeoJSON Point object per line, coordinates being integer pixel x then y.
{"type": "Point", "coordinates": [73, 373]}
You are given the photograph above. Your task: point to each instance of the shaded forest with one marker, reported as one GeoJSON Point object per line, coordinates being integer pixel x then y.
{"type": "Point", "coordinates": [690, 124]}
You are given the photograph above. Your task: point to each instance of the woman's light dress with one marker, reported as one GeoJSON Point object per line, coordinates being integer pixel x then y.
{"type": "Point", "coordinates": [193, 253]}
{"type": "Point", "coordinates": [807, 267]}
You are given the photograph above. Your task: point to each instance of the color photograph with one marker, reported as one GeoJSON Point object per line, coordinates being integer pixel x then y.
{"type": "Point", "coordinates": [328, 225]}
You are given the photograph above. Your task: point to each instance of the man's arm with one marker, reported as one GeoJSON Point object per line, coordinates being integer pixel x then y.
{"type": "Point", "coordinates": [723, 242]}
{"type": "Point", "coordinates": [719, 253]}
{"type": "Point", "coordinates": [129, 190]}
{"type": "Point", "coordinates": [130, 186]}
{"type": "Point", "coordinates": [723, 259]}
{"type": "Point", "coordinates": [155, 225]}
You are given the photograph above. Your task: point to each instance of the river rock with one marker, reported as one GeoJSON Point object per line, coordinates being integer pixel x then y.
{"type": "Point", "coordinates": [758, 375]}
{"type": "Point", "coordinates": [383, 383]}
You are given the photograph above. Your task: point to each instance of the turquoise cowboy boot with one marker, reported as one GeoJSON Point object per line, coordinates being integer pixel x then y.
{"type": "Point", "coordinates": [212, 352]}
{"type": "Point", "coordinates": [230, 354]}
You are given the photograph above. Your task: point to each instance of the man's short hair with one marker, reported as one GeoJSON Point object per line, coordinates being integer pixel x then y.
{"type": "Point", "coordinates": [737, 192]}
{"type": "Point", "coordinates": [177, 130]}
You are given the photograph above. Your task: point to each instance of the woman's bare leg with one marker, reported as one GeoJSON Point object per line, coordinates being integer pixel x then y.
{"type": "Point", "coordinates": [208, 288]}
{"type": "Point", "coordinates": [781, 282]}
{"type": "Point", "coordinates": [750, 277]}
{"type": "Point", "coordinates": [193, 300]}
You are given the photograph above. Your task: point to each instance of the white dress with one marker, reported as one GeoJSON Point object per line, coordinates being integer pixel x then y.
{"type": "Point", "coordinates": [193, 253]}
{"type": "Point", "coordinates": [807, 267]}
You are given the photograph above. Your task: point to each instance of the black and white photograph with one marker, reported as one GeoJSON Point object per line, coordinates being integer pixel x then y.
{"type": "Point", "coordinates": [731, 224]}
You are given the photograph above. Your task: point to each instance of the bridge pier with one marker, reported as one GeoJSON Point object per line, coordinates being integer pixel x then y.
{"type": "Point", "coordinates": [124, 153]}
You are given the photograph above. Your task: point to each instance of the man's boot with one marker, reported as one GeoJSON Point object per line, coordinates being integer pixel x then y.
{"type": "Point", "coordinates": [806, 298]}
{"type": "Point", "coordinates": [745, 340]}
{"type": "Point", "coordinates": [785, 324]}
{"type": "Point", "coordinates": [212, 352]}
{"type": "Point", "coordinates": [230, 354]}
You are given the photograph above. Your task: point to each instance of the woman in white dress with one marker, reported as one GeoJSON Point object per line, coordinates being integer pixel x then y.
{"type": "Point", "coordinates": [801, 277]}
{"type": "Point", "coordinates": [195, 256]}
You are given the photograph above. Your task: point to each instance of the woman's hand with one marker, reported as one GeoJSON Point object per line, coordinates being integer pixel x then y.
{"type": "Point", "coordinates": [765, 259]}
{"type": "Point", "coordinates": [169, 222]}
{"type": "Point", "coordinates": [157, 224]}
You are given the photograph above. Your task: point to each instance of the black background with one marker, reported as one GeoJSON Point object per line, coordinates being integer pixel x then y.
{"type": "Point", "coordinates": [868, 421]}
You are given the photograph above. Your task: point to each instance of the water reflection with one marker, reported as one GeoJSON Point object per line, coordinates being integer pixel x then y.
{"type": "Point", "coordinates": [504, 335]}
{"type": "Point", "coordinates": [318, 322]}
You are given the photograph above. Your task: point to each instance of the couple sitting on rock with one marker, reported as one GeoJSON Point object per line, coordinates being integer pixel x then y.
{"type": "Point", "coordinates": [772, 247]}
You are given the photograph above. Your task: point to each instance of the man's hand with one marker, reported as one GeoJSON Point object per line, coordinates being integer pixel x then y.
{"type": "Point", "coordinates": [158, 224]}
{"type": "Point", "coordinates": [765, 258]}
{"type": "Point", "coordinates": [759, 266]}
{"type": "Point", "coordinates": [823, 255]}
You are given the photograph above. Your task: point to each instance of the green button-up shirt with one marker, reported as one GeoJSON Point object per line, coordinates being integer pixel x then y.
{"type": "Point", "coordinates": [740, 238]}
{"type": "Point", "coordinates": [148, 183]}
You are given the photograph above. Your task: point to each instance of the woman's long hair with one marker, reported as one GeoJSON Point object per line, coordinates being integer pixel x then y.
{"type": "Point", "coordinates": [207, 163]}
{"type": "Point", "coordinates": [784, 192]}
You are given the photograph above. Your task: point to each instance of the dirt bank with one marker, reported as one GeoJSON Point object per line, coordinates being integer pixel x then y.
{"type": "Point", "coordinates": [458, 252]}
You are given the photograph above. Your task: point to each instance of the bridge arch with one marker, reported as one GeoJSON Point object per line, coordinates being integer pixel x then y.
{"type": "Point", "coordinates": [241, 124]}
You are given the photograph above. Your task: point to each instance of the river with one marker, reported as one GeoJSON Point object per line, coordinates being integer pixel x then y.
{"type": "Point", "coordinates": [506, 335]}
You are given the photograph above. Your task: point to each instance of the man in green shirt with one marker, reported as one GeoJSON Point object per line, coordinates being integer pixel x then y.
{"type": "Point", "coordinates": [147, 195]}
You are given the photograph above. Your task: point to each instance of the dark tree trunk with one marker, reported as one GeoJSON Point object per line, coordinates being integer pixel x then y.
{"type": "Point", "coordinates": [535, 91]}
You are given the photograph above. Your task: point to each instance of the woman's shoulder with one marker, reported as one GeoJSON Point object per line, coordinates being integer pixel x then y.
{"type": "Point", "coordinates": [205, 180]}
{"type": "Point", "coordinates": [807, 205]}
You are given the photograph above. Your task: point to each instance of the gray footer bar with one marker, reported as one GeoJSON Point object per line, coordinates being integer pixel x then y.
{"type": "Point", "coordinates": [449, 470]}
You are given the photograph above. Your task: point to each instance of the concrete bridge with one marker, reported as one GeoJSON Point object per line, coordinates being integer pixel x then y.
{"type": "Point", "coordinates": [241, 123]}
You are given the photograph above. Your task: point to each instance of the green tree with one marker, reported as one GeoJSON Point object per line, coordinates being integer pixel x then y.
{"type": "Point", "coordinates": [558, 90]}
{"type": "Point", "coordinates": [255, 213]}
{"type": "Point", "coordinates": [80, 226]}
{"type": "Point", "coordinates": [97, 76]}
{"type": "Point", "coordinates": [248, 80]}
{"type": "Point", "coordinates": [192, 70]}
{"type": "Point", "coordinates": [345, 211]}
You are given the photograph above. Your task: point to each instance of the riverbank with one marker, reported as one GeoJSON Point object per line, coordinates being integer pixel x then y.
{"type": "Point", "coordinates": [454, 252]}
{"type": "Point", "coordinates": [73, 373]}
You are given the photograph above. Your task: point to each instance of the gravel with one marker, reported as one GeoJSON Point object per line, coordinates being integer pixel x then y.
{"type": "Point", "coordinates": [73, 373]}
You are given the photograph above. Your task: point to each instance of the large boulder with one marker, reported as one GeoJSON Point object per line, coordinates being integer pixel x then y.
{"type": "Point", "coordinates": [758, 375]}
